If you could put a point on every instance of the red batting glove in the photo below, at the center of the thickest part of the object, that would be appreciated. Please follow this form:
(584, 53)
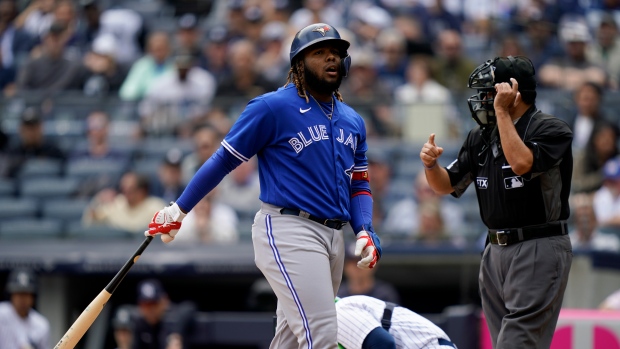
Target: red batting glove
(365, 247)
(166, 223)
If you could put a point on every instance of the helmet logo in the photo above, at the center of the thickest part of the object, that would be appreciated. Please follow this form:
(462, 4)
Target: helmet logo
(324, 29)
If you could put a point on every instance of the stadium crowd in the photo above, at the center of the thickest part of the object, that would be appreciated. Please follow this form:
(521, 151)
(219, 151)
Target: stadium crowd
(108, 107)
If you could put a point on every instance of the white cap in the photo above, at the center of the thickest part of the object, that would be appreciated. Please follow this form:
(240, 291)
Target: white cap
(105, 44)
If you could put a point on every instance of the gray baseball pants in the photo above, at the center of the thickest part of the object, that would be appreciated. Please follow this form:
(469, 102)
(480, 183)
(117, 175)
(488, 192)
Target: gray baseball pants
(522, 288)
(302, 260)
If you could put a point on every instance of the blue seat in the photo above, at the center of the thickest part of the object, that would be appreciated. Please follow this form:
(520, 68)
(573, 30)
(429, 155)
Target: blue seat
(35, 168)
(86, 168)
(31, 228)
(18, 208)
(42, 188)
(7, 188)
(76, 230)
(64, 209)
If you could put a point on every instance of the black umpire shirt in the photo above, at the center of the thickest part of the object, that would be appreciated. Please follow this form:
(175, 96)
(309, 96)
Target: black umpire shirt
(507, 200)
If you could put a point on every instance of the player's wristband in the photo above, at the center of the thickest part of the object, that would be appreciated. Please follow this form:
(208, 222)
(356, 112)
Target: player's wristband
(429, 168)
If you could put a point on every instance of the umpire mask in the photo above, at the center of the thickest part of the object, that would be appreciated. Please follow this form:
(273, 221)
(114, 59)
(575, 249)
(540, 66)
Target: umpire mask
(481, 104)
(491, 72)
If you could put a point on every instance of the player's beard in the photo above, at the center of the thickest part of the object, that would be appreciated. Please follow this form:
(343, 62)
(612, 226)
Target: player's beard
(315, 83)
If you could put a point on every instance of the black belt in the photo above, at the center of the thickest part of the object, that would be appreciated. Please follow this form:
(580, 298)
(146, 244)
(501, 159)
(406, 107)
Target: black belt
(504, 237)
(331, 223)
(386, 320)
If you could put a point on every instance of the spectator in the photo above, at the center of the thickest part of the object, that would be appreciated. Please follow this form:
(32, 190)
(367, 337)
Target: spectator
(240, 190)
(215, 54)
(421, 88)
(411, 28)
(16, 44)
(364, 85)
(585, 234)
(510, 45)
(244, 81)
(315, 11)
(271, 63)
(187, 36)
(52, 70)
(122, 325)
(367, 21)
(392, 59)
(152, 329)
(404, 218)
(210, 222)
(130, 210)
(607, 198)
(605, 50)
(359, 281)
(571, 70)
(540, 41)
(206, 141)
(438, 19)
(65, 13)
(104, 74)
(588, 163)
(380, 170)
(146, 69)
(32, 143)
(588, 100)
(452, 65)
(432, 230)
(126, 25)
(178, 98)
(37, 18)
(21, 326)
(98, 141)
(170, 181)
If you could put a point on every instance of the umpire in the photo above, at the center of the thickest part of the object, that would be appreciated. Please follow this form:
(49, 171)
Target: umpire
(521, 162)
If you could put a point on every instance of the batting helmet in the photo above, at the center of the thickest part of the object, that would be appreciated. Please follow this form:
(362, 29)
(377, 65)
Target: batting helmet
(22, 280)
(316, 33)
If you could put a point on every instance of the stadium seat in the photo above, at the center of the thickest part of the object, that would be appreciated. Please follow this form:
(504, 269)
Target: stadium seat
(7, 188)
(76, 230)
(18, 208)
(64, 209)
(42, 188)
(85, 168)
(156, 148)
(31, 228)
(36, 168)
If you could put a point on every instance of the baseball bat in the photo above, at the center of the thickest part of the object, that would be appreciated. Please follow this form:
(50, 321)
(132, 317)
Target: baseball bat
(88, 316)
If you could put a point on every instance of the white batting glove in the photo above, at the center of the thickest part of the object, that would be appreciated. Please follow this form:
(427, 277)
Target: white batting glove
(366, 248)
(166, 222)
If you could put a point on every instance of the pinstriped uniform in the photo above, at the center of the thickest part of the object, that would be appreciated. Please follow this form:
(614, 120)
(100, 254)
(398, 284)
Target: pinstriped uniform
(358, 315)
(18, 333)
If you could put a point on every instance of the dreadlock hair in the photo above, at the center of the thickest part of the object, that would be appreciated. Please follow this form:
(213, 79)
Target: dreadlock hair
(296, 76)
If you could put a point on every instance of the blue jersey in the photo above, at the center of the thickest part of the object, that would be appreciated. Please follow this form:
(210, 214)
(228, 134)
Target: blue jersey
(306, 161)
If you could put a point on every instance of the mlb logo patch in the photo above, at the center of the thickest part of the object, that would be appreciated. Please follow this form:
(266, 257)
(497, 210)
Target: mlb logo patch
(513, 182)
(482, 182)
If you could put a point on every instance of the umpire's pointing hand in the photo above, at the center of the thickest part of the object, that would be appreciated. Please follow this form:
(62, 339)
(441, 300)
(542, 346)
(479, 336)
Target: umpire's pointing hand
(430, 152)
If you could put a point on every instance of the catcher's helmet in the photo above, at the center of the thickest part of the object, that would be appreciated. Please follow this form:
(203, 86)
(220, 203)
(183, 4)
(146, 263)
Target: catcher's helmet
(316, 33)
(22, 280)
(493, 71)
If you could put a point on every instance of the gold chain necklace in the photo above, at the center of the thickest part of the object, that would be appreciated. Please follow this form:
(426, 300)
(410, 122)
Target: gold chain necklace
(329, 116)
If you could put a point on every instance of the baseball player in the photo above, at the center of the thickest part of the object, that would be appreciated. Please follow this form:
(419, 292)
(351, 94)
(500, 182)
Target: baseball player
(365, 322)
(22, 327)
(311, 150)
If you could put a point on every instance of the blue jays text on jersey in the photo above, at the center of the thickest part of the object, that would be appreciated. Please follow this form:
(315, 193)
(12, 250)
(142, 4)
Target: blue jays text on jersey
(306, 160)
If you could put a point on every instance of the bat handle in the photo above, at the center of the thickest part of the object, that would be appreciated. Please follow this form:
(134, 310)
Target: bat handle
(111, 287)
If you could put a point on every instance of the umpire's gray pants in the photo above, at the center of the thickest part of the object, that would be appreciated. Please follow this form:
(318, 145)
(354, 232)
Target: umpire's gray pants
(522, 287)
(303, 261)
